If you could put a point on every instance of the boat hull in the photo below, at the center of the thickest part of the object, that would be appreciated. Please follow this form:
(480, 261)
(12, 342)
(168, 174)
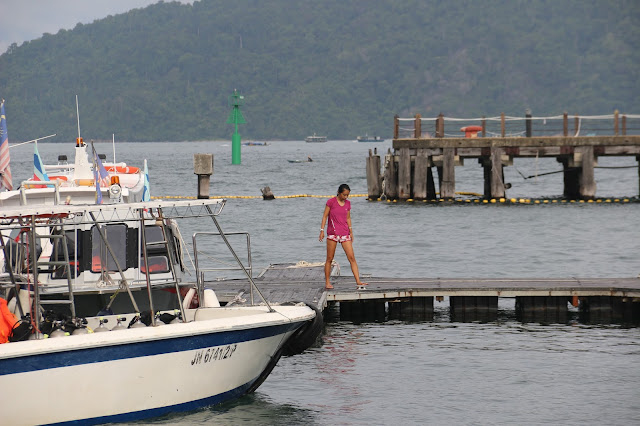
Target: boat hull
(145, 372)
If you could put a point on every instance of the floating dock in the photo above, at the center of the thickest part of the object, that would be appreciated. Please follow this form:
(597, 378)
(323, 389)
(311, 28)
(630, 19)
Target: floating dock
(545, 300)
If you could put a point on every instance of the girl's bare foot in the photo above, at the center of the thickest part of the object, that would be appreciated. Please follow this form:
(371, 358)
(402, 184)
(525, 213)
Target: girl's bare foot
(328, 286)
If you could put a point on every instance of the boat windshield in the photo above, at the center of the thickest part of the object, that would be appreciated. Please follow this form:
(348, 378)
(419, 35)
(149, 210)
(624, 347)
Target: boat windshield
(116, 235)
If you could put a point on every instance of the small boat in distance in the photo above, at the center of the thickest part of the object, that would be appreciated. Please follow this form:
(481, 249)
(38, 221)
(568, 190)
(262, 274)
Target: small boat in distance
(308, 160)
(255, 144)
(367, 138)
(315, 138)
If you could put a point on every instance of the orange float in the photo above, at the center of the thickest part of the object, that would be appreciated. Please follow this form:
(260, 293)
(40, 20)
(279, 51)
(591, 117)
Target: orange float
(124, 170)
(471, 131)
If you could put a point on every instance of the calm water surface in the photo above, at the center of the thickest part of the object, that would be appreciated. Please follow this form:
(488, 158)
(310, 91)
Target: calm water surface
(438, 372)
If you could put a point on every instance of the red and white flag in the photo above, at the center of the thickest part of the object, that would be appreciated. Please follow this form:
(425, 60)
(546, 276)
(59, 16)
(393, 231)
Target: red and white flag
(5, 169)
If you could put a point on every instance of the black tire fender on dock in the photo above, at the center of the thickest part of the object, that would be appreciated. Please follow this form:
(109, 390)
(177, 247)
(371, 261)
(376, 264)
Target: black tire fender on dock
(305, 336)
(297, 343)
(265, 373)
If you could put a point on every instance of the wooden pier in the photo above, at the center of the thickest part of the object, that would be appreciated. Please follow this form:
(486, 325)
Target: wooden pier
(407, 171)
(544, 300)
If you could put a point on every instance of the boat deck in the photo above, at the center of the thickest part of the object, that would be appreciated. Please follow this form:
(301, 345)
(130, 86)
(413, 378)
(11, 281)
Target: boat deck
(278, 283)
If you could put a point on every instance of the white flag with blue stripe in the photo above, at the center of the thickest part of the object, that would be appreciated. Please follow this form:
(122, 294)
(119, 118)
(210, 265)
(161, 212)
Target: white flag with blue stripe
(146, 195)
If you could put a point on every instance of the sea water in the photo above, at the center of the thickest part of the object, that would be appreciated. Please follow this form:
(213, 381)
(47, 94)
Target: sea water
(433, 372)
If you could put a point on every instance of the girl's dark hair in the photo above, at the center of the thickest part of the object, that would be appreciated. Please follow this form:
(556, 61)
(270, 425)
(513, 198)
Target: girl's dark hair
(342, 187)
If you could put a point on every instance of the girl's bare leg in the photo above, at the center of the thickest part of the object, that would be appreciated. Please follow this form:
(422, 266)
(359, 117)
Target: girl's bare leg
(347, 246)
(331, 251)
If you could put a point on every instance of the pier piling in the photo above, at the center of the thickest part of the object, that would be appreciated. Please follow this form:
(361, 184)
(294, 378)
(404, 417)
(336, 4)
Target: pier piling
(267, 194)
(448, 175)
(404, 174)
(374, 180)
(203, 167)
(497, 176)
(420, 168)
(587, 176)
(390, 177)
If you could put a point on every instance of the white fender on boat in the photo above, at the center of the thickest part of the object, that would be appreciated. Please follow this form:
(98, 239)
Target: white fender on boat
(210, 299)
(24, 302)
(186, 302)
(12, 305)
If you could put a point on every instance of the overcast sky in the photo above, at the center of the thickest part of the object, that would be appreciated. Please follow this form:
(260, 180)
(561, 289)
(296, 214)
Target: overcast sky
(22, 20)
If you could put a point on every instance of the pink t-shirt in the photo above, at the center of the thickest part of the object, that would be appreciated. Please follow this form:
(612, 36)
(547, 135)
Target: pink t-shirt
(338, 217)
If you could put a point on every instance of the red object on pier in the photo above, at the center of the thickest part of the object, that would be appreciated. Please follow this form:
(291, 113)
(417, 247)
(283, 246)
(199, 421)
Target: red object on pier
(471, 131)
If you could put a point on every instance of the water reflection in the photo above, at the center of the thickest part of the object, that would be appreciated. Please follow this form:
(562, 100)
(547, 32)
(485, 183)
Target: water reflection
(256, 408)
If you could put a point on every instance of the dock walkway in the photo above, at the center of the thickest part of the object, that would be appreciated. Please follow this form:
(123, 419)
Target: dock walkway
(600, 298)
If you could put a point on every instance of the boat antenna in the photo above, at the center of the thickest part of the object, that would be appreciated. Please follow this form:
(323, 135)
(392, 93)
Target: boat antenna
(113, 141)
(78, 115)
(32, 141)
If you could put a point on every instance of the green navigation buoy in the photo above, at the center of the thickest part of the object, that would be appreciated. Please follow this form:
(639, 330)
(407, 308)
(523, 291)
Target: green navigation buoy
(235, 118)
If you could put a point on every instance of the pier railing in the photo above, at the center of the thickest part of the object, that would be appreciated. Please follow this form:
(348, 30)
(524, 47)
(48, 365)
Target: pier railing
(419, 127)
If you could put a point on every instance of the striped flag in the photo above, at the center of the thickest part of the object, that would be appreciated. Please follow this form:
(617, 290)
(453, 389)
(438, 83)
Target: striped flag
(100, 176)
(146, 195)
(38, 168)
(5, 170)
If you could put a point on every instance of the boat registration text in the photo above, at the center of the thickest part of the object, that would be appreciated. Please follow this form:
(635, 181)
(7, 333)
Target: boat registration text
(218, 353)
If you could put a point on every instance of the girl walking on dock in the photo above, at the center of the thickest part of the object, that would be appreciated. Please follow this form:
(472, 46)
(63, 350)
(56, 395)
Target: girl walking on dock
(339, 230)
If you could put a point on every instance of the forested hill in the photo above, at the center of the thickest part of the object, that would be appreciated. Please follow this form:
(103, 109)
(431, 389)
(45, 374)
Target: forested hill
(334, 67)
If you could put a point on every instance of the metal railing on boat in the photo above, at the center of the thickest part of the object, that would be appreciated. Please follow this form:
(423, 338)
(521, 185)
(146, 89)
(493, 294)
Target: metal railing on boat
(47, 222)
(200, 271)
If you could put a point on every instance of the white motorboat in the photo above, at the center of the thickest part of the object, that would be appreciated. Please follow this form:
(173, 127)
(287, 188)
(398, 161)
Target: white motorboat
(151, 350)
(74, 183)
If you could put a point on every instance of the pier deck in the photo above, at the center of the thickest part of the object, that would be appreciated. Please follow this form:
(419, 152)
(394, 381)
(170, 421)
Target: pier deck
(618, 297)
(408, 175)
(500, 287)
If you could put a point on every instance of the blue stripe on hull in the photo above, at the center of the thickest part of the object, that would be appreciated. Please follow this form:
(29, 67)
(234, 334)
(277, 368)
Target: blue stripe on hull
(161, 411)
(137, 349)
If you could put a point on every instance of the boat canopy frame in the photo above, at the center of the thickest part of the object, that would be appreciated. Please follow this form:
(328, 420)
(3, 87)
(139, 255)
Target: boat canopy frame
(32, 218)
